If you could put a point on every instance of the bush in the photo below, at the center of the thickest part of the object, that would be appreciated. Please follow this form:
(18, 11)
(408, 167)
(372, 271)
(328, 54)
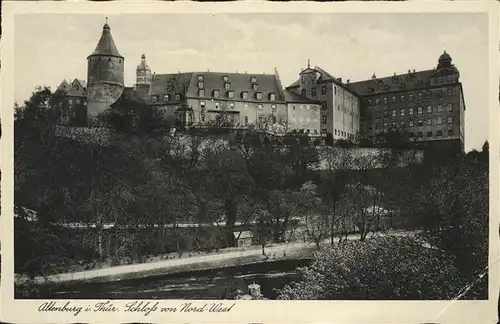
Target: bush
(383, 268)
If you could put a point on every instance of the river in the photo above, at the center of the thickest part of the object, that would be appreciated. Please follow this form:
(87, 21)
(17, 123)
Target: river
(207, 284)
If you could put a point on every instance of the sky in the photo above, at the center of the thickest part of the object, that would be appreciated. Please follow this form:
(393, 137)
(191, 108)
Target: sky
(53, 47)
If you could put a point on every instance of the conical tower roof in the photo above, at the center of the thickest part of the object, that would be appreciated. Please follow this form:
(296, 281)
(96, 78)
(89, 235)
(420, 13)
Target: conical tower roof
(106, 45)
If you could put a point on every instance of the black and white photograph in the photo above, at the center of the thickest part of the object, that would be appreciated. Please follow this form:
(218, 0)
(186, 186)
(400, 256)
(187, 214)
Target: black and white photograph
(234, 156)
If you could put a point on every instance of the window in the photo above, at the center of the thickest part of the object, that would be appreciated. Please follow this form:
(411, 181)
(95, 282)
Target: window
(177, 97)
(255, 86)
(216, 94)
(393, 125)
(259, 106)
(334, 90)
(411, 112)
(420, 134)
(429, 122)
(258, 95)
(440, 133)
(410, 97)
(217, 105)
(385, 100)
(429, 134)
(377, 101)
(377, 126)
(201, 93)
(450, 107)
(70, 101)
(166, 98)
(450, 132)
(244, 95)
(386, 112)
(440, 108)
(429, 109)
(272, 97)
(313, 92)
(200, 84)
(230, 94)
(153, 98)
(393, 98)
(323, 106)
(253, 79)
(323, 90)
(450, 120)
(428, 94)
(440, 121)
(245, 105)
(200, 77)
(402, 113)
(402, 98)
(450, 92)
(369, 102)
(303, 78)
(246, 120)
(231, 105)
(419, 110)
(225, 78)
(394, 113)
(411, 123)
(420, 123)
(323, 119)
(402, 124)
(304, 92)
(202, 104)
(419, 96)
(385, 124)
(227, 85)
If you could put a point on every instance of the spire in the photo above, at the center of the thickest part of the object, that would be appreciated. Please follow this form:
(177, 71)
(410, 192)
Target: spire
(308, 63)
(106, 46)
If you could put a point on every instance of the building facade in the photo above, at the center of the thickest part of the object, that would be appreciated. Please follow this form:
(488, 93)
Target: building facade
(340, 105)
(74, 102)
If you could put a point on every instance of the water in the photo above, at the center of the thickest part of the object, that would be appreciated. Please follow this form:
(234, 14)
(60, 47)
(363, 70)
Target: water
(207, 284)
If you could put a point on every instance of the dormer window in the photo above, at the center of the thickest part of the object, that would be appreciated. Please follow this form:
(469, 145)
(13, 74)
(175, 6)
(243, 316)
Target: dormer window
(255, 86)
(260, 107)
(201, 93)
(177, 97)
(166, 98)
(225, 78)
(154, 98)
(227, 85)
(200, 84)
(216, 94)
(313, 92)
(200, 77)
(304, 92)
(253, 79)
(231, 105)
(244, 95)
(230, 94)
(258, 95)
(272, 97)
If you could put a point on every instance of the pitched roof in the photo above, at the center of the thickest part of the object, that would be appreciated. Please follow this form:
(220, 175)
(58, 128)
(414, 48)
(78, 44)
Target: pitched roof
(291, 96)
(77, 88)
(411, 80)
(324, 77)
(106, 45)
(239, 82)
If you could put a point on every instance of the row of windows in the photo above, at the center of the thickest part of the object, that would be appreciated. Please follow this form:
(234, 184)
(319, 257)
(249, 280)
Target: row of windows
(420, 122)
(411, 111)
(307, 120)
(231, 105)
(305, 131)
(306, 107)
(77, 102)
(225, 78)
(323, 92)
(429, 134)
(411, 97)
(344, 134)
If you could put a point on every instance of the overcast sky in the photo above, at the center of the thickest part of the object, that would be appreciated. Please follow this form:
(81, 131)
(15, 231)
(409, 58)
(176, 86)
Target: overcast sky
(49, 48)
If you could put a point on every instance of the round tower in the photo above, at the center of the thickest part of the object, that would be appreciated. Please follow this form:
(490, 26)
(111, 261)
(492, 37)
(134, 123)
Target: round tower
(105, 81)
(143, 73)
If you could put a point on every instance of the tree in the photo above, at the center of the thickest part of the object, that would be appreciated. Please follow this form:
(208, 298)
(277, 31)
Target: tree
(311, 210)
(385, 268)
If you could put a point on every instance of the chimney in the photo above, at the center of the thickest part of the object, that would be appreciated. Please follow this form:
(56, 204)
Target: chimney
(394, 73)
(409, 71)
(413, 70)
(348, 81)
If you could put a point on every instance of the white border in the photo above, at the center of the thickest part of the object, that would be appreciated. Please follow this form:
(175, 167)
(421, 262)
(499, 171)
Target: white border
(253, 311)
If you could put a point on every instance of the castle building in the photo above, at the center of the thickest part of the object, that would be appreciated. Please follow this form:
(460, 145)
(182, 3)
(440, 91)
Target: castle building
(428, 104)
(74, 102)
(105, 76)
(340, 105)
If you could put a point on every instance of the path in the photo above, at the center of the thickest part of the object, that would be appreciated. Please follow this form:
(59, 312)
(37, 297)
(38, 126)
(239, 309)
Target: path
(278, 249)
